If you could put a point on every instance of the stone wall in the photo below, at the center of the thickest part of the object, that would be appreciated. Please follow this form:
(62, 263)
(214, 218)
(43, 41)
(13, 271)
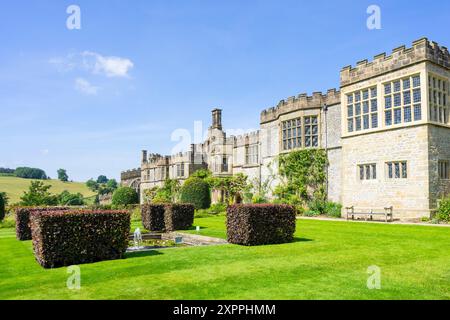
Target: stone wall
(439, 149)
(409, 197)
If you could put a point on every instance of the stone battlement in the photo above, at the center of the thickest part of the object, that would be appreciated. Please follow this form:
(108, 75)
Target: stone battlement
(247, 139)
(130, 174)
(421, 50)
(302, 101)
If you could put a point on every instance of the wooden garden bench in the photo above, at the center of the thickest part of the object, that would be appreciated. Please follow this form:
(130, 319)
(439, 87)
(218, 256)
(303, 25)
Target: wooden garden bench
(388, 213)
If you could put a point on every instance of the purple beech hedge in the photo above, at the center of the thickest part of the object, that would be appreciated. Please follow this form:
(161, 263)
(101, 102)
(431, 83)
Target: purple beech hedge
(78, 237)
(179, 216)
(23, 230)
(153, 217)
(167, 217)
(260, 224)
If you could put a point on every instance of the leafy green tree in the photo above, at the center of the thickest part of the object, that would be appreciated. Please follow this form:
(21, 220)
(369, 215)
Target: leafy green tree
(30, 173)
(92, 185)
(202, 174)
(38, 195)
(5, 198)
(197, 192)
(169, 192)
(62, 175)
(70, 199)
(112, 184)
(233, 187)
(2, 207)
(125, 196)
(102, 179)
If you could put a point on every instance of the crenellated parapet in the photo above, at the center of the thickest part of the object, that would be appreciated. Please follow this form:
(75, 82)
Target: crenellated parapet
(246, 139)
(421, 50)
(302, 101)
(130, 174)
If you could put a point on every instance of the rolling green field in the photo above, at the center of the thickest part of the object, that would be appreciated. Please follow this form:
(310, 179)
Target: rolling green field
(15, 187)
(328, 260)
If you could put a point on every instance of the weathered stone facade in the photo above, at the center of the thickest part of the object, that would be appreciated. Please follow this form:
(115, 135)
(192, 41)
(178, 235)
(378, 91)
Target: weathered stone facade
(386, 133)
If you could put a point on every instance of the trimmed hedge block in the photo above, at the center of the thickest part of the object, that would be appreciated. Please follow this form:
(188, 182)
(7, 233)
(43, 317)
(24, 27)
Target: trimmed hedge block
(23, 230)
(78, 237)
(153, 217)
(179, 216)
(260, 224)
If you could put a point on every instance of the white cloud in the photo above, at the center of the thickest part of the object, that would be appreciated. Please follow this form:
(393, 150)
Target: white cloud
(108, 66)
(94, 63)
(85, 87)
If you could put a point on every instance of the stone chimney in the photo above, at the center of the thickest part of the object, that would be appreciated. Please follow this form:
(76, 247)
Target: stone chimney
(144, 156)
(217, 119)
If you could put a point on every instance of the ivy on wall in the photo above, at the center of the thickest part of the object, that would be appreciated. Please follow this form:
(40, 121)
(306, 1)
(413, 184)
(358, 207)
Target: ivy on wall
(303, 174)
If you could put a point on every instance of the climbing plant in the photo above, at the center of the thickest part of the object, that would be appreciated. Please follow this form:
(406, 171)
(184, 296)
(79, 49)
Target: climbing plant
(303, 175)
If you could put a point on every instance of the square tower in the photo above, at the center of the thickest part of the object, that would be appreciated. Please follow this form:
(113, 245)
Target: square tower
(396, 130)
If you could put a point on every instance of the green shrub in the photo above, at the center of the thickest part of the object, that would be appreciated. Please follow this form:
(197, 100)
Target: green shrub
(443, 212)
(196, 191)
(70, 238)
(125, 196)
(217, 208)
(70, 199)
(2, 207)
(333, 210)
(320, 207)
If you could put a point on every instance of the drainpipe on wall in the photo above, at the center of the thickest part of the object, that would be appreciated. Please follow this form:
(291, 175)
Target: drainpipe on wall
(325, 110)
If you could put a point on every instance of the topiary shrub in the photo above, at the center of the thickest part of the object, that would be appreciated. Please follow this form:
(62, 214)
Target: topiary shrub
(197, 192)
(178, 216)
(153, 217)
(23, 229)
(2, 208)
(443, 213)
(260, 224)
(125, 196)
(77, 237)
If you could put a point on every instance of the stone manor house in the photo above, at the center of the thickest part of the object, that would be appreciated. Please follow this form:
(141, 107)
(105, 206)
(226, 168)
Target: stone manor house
(386, 132)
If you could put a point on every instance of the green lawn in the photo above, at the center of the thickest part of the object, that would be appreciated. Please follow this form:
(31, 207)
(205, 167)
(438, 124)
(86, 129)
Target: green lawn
(14, 187)
(328, 260)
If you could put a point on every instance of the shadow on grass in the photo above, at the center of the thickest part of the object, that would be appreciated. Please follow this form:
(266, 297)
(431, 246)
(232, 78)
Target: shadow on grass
(296, 239)
(141, 254)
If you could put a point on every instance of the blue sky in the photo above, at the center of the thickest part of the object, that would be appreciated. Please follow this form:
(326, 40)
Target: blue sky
(89, 100)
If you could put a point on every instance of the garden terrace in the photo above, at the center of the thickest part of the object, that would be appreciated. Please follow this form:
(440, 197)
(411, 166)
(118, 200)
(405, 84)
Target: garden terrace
(327, 260)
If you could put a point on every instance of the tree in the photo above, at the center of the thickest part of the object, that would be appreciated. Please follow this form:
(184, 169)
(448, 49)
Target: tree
(125, 196)
(70, 199)
(38, 195)
(112, 184)
(231, 187)
(169, 192)
(92, 185)
(197, 192)
(5, 198)
(202, 174)
(62, 175)
(2, 207)
(30, 173)
(102, 179)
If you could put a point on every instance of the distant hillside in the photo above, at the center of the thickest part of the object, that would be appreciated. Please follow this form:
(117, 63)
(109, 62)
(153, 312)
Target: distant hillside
(15, 187)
